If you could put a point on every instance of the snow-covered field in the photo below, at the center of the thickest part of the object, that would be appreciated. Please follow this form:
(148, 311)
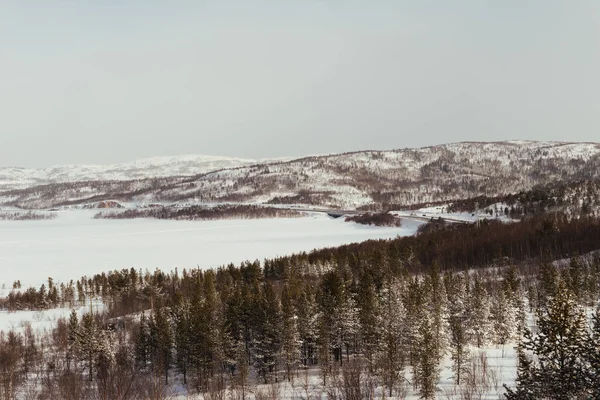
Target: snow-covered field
(74, 244)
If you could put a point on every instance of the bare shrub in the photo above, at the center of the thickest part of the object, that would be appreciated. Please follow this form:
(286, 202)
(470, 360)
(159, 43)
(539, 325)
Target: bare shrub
(479, 380)
(351, 382)
(271, 392)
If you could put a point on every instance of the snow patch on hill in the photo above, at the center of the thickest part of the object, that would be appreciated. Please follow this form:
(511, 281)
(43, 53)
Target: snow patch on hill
(154, 167)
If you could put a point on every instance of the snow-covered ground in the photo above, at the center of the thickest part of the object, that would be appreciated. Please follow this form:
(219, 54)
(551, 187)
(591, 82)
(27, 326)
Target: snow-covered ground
(74, 244)
(42, 320)
(155, 167)
(500, 368)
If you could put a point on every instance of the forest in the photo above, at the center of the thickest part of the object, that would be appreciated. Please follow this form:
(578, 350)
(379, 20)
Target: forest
(368, 320)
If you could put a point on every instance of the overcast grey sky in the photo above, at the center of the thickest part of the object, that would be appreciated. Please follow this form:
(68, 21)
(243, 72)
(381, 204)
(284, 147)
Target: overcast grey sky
(102, 81)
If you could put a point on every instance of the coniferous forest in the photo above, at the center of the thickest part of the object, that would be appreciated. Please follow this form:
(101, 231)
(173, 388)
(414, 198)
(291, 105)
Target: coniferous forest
(361, 321)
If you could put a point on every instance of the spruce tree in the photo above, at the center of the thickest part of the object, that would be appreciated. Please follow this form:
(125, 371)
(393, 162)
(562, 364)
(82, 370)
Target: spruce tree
(307, 324)
(161, 335)
(528, 388)
(73, 331)
(369, 319)
(457, 322)
(559, 368)
(392, 357)
(91, 344)
(427, 371)
(289, 333)
(504, 317)
(479, 319)
(142, 342)
(267, 340)
(591, 355)
(182, 336)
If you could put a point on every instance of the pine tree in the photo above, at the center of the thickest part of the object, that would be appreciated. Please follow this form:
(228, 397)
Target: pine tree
(91, 344)
(369, 319)
(142, 342)
(559, 370)
(393, 336)
(437, 305)
(592, 357)
(330, 300)
(306, 308)
(457, 320)
(415, 307)
(479, 320)
(504, 318)
(527, 386)
(267, 341)
(161, 339)
(427, 372)
(289, 333)
(182, 335)
(73, 329)
(30, 349)
(548, 282)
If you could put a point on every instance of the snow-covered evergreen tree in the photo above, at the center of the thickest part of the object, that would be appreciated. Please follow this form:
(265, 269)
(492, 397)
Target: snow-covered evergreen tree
(457, 326)
(289, 333)
(392, 353)
(426, 372)
(559, 368)
(92, 344)
(267, 340)
(504, 317)
(479, 319)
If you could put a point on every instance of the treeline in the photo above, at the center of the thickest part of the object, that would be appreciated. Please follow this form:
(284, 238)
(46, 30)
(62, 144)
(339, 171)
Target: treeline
(462, 246)
(25, 216)
(47, 296)
(201, 213)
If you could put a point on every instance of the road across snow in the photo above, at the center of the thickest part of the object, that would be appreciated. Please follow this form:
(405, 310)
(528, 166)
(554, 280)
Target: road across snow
(74, 244)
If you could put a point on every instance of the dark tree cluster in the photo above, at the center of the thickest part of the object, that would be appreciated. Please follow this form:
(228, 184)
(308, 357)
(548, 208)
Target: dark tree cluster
(576, 198)
(377, 219)
(26, 216)
(192, 213)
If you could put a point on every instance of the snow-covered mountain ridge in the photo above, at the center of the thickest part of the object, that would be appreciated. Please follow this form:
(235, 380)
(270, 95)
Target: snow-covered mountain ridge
(348, 180)
(155, 167)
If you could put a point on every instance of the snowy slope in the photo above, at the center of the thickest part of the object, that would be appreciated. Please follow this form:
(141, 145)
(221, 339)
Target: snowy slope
(406, 176)
(19, 178)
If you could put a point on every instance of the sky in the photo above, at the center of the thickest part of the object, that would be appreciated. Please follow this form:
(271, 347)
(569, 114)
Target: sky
(106, 81)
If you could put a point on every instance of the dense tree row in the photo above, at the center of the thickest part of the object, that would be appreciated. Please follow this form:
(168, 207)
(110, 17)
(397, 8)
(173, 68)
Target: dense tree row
(201, 212)
(25, 216)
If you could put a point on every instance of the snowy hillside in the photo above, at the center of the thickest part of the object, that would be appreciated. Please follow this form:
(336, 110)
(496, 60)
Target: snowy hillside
(349, 180)
(20, 178)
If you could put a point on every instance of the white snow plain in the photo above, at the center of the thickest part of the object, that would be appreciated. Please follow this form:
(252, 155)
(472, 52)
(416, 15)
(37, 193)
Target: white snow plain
(74, 244)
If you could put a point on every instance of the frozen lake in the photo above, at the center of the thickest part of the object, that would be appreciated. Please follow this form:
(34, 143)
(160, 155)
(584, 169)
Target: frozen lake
(74, 244)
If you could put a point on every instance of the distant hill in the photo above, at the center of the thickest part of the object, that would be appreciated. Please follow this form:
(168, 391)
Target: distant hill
(349, 180)
(156, 167)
